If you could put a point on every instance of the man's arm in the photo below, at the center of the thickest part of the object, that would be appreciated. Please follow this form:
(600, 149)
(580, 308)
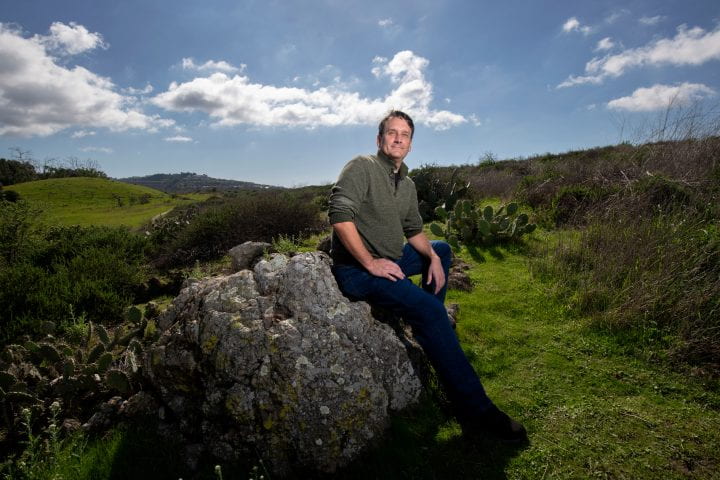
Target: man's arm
(379, 267)
(436, 272)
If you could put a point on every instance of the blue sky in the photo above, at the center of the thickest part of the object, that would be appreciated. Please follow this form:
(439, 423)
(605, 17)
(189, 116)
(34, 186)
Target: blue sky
(286, 92)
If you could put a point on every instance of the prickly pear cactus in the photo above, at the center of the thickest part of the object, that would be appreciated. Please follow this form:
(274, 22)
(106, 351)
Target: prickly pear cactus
(468, 225)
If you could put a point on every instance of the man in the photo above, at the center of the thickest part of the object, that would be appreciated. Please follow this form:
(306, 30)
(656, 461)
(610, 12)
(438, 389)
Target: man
(373, 207)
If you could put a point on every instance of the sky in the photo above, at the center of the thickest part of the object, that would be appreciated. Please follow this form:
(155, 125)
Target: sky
(286, 92)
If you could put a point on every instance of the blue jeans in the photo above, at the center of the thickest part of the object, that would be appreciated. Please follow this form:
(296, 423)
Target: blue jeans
(425, 312)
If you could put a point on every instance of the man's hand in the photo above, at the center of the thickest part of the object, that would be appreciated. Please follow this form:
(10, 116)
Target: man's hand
(382, 267)
(436, 272)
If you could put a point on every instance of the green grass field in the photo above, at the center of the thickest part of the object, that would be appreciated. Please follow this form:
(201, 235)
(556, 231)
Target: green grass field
(97, 201)
(592, 410)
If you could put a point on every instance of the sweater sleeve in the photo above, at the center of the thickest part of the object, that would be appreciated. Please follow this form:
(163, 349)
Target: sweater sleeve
(348, 192)
(412, 223)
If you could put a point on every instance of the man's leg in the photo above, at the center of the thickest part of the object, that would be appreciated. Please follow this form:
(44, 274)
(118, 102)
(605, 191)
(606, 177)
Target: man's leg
(428, 318)
(426, 314)
(412, 263)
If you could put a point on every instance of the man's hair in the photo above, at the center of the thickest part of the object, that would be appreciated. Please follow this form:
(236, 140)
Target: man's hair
(396, 114)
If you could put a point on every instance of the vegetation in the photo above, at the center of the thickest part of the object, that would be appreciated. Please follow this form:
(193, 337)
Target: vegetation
(599, 331)
(473, 227)
(436, 189)
(21, 170)
(97, 201)
(61, 273)
(208, 231)
(189, 182)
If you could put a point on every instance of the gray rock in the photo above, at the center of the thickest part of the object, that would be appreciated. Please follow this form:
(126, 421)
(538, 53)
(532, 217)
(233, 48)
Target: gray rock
(243, 255)
(276, 360)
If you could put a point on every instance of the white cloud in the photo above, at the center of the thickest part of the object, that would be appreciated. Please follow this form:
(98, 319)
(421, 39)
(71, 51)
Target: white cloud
(650, 21)
(83, 133)
(385, 22)
(573, 25)
(236, 100)
(615, 16)
(211, 66)
(178, 139)
(138, 91)
(96, 150)
(39, 97)
(660, 97)
(692, 46)
(70, 39)
(605, 44)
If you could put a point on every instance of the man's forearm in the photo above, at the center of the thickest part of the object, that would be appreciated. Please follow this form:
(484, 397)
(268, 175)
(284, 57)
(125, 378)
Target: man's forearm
(421, 243)
(350, 238)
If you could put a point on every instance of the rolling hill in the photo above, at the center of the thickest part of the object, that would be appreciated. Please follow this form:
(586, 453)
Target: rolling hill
(97, 201)
(188, 182)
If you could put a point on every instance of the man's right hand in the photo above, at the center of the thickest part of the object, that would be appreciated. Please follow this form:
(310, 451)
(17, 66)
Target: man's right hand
(382, 267)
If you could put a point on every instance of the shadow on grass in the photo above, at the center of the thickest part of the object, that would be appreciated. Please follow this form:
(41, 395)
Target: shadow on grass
(425, 443)
(475, 254)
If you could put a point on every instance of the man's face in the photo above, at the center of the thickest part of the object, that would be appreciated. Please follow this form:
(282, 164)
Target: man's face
(396, 140)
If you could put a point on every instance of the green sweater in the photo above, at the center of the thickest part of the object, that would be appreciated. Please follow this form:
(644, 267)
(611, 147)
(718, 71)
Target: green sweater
(383, 208)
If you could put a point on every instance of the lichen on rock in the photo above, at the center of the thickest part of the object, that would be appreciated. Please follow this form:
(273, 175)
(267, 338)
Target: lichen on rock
(276, 360)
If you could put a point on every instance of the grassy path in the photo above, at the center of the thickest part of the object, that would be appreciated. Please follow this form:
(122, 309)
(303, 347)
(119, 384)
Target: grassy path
(591, 411)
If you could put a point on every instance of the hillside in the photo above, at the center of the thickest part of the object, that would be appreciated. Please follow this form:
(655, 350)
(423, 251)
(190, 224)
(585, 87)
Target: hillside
(188, 182)
(97, 201)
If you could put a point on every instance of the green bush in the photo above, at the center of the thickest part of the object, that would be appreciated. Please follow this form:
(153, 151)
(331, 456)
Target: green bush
(437, 187)
(219, 227)
(652, 275)
(571, 204)
(15, 171)
(64, 272)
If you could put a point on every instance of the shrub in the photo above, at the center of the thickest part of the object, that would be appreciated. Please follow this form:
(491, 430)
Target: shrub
(571, 204)
(253, 216)
(437, 186)
(14, 171)
(650, 274)
(63, 272)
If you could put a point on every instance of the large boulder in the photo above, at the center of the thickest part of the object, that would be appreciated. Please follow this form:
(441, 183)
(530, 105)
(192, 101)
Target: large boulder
(276, 360)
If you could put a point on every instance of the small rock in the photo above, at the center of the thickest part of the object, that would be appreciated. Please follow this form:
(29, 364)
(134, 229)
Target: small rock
(245, 254)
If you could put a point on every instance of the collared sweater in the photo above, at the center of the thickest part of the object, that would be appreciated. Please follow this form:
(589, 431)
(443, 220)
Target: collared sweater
(382, 204)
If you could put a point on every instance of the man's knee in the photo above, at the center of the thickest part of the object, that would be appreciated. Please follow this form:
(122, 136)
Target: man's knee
(442, 249)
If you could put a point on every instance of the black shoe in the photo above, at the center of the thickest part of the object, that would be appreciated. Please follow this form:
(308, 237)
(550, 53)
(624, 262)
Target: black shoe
(496, 424)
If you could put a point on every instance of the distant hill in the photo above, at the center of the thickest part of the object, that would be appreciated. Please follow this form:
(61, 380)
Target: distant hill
(188, 182)
(97, 201)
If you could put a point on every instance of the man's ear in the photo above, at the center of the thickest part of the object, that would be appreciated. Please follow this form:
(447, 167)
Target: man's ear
(378, 141)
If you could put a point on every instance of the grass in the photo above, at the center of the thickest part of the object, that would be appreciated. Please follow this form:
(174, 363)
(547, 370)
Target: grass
(592, 410)
(97, 201)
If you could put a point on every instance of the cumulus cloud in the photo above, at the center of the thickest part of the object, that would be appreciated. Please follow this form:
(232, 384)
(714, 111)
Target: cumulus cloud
(605, 44)
(178, 139)
(573, 25)
(70, 39)
(693, 46)
(39, 97)
(660, 97)
(235, 100)
(211, 66)
(650, 21)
